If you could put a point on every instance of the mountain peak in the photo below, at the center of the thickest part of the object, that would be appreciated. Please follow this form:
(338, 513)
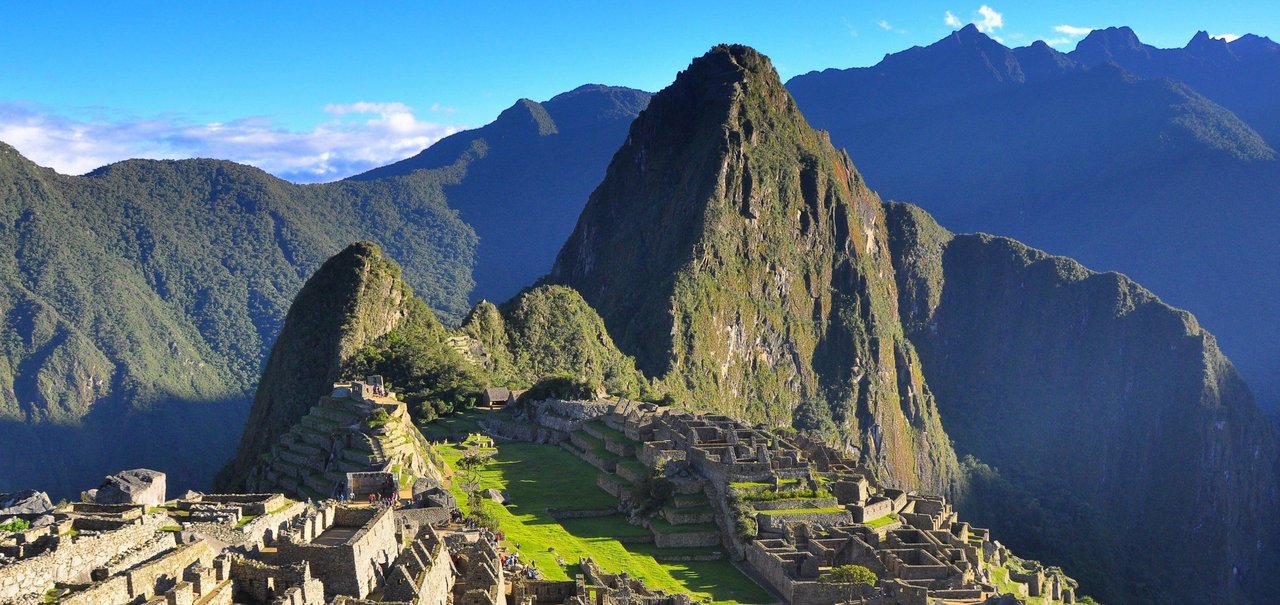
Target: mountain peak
(1110, 43)
(725, 213)
(969, 32)
(352, 299)
(527, 113)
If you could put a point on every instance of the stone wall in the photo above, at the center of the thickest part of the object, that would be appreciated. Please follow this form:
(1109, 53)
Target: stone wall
(250, 504)
(422, 574)
(775, 523)
(352, 567)
(183, 571)
(543, 591)
(873, 509)
(283, 585)
(134, 555)
(413, 518)
(74, 559)
(689, 539)
(263, 529)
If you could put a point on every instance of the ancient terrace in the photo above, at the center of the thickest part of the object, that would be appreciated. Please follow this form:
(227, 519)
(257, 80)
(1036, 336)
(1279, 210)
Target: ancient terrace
(359, 429)
(789, 508)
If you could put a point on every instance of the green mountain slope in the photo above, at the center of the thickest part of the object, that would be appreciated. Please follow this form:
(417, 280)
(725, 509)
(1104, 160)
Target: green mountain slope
(355, 298)
(741, 258)
(143, 296)
(549, 330)
(1116, 414)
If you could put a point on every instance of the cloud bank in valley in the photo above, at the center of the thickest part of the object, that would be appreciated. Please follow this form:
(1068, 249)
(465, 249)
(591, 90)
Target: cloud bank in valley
(353, 138)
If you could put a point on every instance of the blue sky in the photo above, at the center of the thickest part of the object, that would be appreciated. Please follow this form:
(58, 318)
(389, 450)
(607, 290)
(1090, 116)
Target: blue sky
(319, 90)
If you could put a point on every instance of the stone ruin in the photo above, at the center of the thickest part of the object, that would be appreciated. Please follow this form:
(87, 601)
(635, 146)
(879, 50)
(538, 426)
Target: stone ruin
(357, 434)
(813, 508)
(592, 587)
(219, 549)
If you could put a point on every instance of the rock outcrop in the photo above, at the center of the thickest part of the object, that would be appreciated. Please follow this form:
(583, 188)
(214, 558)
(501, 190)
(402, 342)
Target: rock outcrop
(137, 486)
(27, 502)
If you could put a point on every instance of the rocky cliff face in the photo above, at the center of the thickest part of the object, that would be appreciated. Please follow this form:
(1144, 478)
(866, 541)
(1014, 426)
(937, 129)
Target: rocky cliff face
(736, 254)
(1085, 384)
(353, 299)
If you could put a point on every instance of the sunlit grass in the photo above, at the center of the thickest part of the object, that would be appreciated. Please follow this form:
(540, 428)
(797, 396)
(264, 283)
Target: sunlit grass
(541, 477)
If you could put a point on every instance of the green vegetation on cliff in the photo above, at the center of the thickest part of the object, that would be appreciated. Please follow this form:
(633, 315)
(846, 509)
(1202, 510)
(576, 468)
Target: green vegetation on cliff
(743, 261)
(548, 331)
(418, 364)
(1105, 411)
(354, 299)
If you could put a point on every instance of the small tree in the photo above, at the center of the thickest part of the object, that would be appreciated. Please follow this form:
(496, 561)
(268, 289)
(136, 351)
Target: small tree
(474, 460)
(850, 577)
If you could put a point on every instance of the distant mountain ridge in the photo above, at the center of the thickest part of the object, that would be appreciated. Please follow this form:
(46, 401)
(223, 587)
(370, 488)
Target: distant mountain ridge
(141, 299)
(1078, 154)
(1242, 75)
(197, 261)
(1130, 449)
(528, 174)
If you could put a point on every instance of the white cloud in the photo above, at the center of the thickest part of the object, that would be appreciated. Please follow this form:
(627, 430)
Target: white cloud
(1228, 37)
(1058, 41)
(356, 137)
(886, 26)
(991, 20)
(853, 32)
(1072, 30)
(987, 20)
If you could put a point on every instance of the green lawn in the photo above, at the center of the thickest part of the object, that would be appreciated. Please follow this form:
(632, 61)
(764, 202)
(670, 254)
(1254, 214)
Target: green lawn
(783, 512)
(452, 426)
(883, 521)
(613, 433)
(539, 476)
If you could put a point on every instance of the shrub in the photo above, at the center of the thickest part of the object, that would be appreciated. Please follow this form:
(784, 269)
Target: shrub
(851, 577)
(16, 525)
(378, 418)
(744, 519)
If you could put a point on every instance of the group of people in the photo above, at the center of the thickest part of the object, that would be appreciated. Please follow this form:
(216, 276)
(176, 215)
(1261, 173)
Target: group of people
(512, 565)
(375, 499)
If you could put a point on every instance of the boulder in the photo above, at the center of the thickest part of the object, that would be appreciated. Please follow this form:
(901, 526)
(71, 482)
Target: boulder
(29, 502)
(137, 486)
(496, 495)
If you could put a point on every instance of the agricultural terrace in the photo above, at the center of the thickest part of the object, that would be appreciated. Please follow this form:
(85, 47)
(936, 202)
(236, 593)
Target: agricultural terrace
(540, 478)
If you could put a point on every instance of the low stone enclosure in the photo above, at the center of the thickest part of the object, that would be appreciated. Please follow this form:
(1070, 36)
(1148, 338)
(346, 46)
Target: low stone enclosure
(789, 508)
